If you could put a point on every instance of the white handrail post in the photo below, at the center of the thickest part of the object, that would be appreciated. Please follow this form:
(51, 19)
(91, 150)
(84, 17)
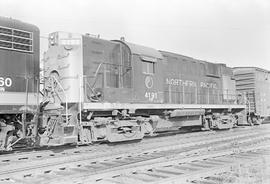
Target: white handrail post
(196, 95)
(248, 106)
(208, 96)
(80, 98)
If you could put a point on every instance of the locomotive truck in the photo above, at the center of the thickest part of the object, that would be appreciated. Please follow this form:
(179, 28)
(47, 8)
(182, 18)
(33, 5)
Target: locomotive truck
(100, 90)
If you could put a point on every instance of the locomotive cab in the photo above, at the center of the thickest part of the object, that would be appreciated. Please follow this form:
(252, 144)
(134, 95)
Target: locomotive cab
(147, 66)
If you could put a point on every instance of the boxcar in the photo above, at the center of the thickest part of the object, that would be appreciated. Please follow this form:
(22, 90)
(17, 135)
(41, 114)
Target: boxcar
(253, 85)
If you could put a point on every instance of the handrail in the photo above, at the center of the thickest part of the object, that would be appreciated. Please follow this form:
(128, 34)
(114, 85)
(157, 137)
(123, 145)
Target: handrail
(248, 102)
(95, 79)
(97, 70)
(80, 100)
(26, 104)
(64, 95)
(92, 90)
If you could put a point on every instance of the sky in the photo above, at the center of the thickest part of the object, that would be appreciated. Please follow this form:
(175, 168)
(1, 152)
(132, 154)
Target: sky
(234, 32)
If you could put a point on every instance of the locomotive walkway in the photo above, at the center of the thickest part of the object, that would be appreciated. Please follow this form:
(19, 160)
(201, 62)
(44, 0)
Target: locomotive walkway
(184, 157)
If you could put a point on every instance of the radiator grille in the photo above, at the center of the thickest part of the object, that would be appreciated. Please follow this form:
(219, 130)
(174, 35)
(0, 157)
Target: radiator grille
(14, 39)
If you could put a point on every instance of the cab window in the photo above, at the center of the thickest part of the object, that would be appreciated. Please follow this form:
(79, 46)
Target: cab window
(148, 67)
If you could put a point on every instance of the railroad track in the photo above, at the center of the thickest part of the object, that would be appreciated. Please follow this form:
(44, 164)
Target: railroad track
(248, 168)
(66, 151)
(100, 167)
(60, 152)
(211, 169)
(180, 168)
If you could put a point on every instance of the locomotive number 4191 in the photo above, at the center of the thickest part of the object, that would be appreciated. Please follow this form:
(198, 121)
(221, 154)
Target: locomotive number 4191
(5, 82)
(151, 96)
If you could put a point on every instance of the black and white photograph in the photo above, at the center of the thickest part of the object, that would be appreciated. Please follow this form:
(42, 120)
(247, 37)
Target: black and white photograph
(134, 92)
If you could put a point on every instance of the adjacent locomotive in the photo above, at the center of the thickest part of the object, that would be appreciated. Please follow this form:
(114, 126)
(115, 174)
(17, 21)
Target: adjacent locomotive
(119, 91)
(19, 80)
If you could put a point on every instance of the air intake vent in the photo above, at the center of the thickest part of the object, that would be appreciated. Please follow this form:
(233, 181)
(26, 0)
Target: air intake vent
(22, 34)
(5, 30)
(14, 39)
(5, 45)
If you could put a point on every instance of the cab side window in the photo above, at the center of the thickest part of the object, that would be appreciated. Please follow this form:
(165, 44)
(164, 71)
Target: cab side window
(148, 67)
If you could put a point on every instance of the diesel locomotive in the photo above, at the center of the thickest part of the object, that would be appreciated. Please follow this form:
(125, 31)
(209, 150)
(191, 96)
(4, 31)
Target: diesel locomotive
(118, 91)
(19, 81)
(99, 90)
